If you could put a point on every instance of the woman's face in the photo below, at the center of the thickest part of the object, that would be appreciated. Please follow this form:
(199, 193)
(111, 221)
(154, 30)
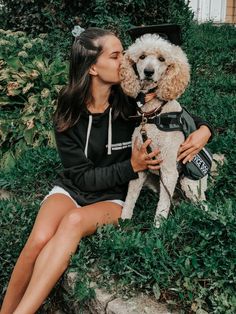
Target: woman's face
(108, 63)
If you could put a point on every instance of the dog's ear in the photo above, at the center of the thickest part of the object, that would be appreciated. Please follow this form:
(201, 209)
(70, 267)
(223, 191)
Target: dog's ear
(176, 77)
(129, 80)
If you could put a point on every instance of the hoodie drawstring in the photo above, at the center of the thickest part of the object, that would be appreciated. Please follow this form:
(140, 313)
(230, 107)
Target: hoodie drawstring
(88, 133)
(109, 133)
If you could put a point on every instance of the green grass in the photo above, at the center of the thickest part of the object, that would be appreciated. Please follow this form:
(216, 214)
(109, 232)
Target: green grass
(191, 259)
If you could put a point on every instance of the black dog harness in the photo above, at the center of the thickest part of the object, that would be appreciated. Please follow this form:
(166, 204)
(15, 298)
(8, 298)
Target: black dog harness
(168, 122)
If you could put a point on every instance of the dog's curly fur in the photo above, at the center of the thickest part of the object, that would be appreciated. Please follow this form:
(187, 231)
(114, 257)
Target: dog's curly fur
(163, 67)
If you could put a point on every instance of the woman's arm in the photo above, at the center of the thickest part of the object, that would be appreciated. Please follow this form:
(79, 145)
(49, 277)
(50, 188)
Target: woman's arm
(200, 122)
(196, 140)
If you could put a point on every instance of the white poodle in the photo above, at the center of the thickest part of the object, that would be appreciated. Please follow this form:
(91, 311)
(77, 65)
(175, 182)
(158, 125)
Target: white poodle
(152, 63)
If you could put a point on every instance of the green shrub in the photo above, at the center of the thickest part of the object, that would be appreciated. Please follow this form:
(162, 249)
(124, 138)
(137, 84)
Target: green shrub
(29, 87)
(41, 16)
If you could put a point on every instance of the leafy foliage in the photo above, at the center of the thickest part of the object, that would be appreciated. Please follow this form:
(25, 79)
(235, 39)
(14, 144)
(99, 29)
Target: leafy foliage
(46, 16)
(29, 87)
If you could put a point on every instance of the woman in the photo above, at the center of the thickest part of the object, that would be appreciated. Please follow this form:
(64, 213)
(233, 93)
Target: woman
(94, 142)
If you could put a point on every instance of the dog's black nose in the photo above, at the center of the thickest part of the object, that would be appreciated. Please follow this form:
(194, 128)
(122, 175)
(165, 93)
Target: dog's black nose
(148, 72)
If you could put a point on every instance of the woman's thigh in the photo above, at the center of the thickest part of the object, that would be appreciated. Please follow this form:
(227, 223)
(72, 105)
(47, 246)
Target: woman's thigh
(98, 214)
(50, 214)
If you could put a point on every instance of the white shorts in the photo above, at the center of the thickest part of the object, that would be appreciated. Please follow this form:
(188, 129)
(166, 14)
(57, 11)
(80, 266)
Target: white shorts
(58, 189)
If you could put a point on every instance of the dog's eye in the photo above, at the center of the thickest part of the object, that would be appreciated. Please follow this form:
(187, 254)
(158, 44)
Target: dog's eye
(161, 59)
(142, 57)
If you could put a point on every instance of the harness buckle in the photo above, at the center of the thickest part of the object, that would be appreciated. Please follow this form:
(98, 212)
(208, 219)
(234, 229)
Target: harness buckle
(144, 120)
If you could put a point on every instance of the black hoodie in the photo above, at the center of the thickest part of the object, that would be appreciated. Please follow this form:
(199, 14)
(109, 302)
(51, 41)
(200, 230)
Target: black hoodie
(97, 171)
(95, 155)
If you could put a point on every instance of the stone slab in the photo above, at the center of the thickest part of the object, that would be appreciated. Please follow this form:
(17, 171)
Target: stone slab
(108, 303)
(136, 305)
(99, 304)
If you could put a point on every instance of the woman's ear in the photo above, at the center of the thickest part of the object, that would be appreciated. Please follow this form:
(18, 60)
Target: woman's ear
(92, 70)
(129, 80)
(175, 79)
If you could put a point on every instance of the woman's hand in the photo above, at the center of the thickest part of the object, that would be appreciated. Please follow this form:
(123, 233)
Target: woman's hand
(193, 144)
(141, 160)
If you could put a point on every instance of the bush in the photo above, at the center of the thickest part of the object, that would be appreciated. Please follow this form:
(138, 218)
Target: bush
(29, 87)
(45, 16)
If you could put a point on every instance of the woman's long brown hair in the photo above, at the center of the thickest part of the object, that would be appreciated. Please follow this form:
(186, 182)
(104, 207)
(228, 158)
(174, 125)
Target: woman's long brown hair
(72, 98)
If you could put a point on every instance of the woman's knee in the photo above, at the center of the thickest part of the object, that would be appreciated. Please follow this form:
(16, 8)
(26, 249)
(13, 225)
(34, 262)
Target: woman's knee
(73, 222)
(35, 244)
(73, 219)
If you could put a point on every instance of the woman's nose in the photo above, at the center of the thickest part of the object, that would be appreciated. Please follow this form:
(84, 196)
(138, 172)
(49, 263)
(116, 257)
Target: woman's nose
(120, 59)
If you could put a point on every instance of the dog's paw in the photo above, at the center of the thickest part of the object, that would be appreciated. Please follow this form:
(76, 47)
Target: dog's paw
(159, 218)
(157, 223)
(126, 216)
(204, 206)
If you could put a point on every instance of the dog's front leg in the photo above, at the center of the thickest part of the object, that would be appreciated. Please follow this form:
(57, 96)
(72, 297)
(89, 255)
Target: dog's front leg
(134, 189)
(168, 180)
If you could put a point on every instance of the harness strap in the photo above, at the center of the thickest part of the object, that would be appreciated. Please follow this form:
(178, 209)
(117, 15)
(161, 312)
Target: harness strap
(168, 122)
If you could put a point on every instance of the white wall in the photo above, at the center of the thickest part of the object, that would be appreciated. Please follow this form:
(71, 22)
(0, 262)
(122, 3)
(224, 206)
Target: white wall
(205, 10)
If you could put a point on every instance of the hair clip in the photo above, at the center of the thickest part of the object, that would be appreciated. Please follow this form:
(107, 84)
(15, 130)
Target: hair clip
(77, 30)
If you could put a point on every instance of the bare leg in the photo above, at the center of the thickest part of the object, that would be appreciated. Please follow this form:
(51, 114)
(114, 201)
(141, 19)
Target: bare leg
(54, 258)
(50, 214)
